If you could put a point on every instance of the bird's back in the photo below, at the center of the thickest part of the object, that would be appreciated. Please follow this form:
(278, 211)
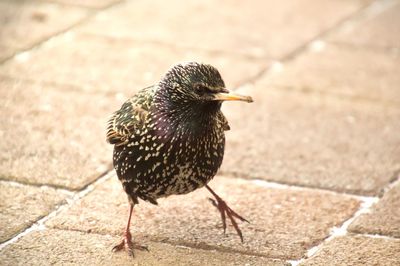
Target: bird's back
(131, 118)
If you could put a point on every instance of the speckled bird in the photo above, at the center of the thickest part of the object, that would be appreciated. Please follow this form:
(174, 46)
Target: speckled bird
(169, 139)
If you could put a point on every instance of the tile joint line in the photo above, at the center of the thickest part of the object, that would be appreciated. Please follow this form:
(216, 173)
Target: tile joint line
(365, 206)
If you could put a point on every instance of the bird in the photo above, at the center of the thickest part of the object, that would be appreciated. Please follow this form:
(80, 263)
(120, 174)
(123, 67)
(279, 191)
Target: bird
(169, 139)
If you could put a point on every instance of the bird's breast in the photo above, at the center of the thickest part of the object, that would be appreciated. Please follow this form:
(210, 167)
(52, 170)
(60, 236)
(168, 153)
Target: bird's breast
(158, 167)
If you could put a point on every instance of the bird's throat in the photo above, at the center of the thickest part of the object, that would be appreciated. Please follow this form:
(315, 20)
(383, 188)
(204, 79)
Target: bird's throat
(187, 119)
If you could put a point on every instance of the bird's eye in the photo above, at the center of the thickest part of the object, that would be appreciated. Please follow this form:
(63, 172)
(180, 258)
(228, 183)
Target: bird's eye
(201, 89)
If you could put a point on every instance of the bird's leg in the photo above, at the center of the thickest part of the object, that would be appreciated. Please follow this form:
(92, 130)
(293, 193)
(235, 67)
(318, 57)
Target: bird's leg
(126, 242)
(224, 210)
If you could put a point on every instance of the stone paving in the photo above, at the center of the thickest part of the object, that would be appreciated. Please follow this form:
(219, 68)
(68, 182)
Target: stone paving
(313, 163)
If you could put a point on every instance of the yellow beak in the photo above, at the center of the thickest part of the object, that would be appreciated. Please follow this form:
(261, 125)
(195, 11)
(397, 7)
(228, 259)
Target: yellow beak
(232, 97)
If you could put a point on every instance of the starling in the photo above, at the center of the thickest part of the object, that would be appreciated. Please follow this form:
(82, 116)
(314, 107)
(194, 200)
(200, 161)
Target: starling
(169, 139)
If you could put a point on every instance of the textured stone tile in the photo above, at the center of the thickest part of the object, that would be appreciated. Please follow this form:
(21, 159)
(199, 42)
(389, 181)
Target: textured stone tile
(360, 73)
(69, 247)
(384, 218)
(314, 140)
(25, 23)
(88, 3)
(99, 63)
(21, 206)
(379, 29)
(53, 135)
(259, 28)
(284, 222)
(357, 250)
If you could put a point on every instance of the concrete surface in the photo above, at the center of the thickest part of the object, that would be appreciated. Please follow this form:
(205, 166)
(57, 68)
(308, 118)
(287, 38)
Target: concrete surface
(313, 139)
(119, 63)
(54, 137)
(256, 29)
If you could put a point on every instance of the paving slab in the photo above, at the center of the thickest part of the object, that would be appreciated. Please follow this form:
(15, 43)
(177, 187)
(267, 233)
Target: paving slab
(378, 29)
(256, 29)
(21, 206)
(360, 73)
(95, 63)
(383, 219)
(284, 222)
(357, 250)
(44, 20)
(50, 247)
(312, 139)
(53, 135)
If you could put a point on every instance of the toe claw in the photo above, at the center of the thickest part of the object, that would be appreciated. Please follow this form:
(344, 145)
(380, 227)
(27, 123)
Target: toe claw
(213, 202)
(118, 247)
(140, 247)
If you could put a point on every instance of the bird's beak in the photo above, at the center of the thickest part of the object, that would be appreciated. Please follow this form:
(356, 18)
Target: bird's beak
(231, 97)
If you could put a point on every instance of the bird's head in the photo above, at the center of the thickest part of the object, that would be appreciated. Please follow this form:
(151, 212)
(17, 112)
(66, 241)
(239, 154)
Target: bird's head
(193, 92)
(196, 84)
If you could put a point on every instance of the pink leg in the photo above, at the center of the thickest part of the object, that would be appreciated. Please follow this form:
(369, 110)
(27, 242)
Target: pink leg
(224, 210)
(126, 242)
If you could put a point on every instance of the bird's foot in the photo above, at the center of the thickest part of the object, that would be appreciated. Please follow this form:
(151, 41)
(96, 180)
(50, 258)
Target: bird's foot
(225, 210)
(128, 245)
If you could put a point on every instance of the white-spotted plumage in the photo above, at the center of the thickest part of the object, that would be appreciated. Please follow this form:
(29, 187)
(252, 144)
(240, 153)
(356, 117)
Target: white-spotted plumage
(168, 139)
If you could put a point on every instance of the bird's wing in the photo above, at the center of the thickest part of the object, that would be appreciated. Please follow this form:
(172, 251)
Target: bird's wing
(224, 122)
(131, 117)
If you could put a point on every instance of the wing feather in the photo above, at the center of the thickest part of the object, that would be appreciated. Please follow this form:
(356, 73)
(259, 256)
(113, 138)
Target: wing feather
(131, 117)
